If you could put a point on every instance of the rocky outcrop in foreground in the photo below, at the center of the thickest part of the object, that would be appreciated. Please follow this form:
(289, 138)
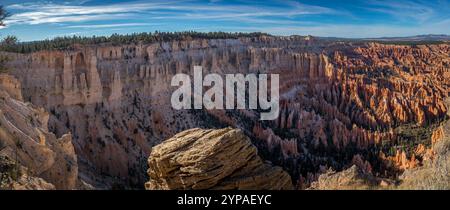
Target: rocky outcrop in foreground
(16, 177)
(212, 159)
(350, 179)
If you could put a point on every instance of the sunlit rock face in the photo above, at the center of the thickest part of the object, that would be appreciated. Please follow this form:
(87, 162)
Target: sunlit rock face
(200, 159)
(338, 100)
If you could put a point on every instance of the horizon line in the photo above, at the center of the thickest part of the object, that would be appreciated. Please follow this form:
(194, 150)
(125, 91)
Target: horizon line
(235, 32)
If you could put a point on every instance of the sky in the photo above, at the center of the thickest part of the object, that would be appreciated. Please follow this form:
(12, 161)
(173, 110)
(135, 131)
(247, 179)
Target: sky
(45, 19)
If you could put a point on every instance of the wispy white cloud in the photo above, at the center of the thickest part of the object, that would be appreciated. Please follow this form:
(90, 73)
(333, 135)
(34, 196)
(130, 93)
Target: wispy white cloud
(420, 11)
(41, 19)
(39, 13)
(95, 26)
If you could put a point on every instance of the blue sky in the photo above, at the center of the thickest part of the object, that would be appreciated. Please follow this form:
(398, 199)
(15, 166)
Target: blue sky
(41, 19)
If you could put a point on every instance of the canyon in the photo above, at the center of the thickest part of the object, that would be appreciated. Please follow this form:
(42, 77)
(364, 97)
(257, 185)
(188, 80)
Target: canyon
(102, 110)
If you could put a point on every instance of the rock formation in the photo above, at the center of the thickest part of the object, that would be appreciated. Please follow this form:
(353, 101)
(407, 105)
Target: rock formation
(15, 177)
(26, 141)
(212, 159)
(353, 178)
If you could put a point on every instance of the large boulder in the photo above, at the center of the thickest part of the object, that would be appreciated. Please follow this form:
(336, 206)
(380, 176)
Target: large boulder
(212, 159)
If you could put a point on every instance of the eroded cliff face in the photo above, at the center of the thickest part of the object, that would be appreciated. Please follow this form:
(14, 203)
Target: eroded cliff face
(339, 101)
(31, 157)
